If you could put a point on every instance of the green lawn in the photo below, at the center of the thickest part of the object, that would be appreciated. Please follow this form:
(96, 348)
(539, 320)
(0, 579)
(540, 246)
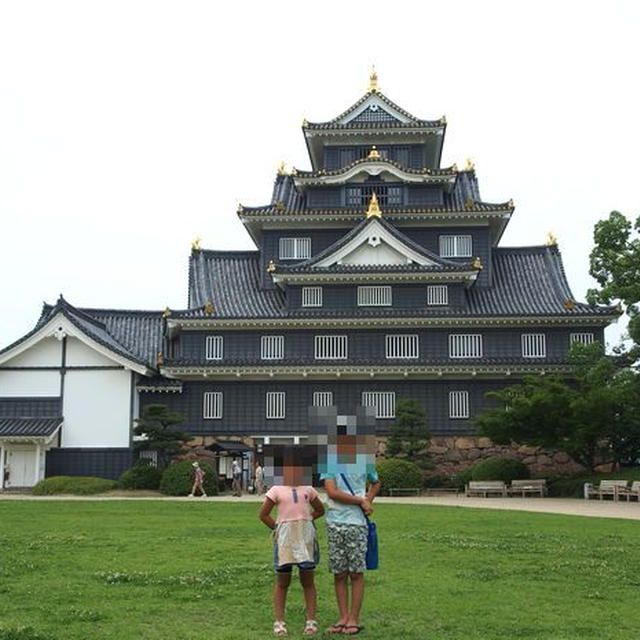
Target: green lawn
(191, 570)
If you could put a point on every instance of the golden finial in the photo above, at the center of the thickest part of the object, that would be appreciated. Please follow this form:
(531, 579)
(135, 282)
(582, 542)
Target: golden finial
(373, 79)
(569, 304)
(166, 313)
(454, 167)
(477, 264)
(468, 205)
(279, 205)
(374, 210)
(160, 359)
(551, 241)
(443, 120)
(195, 245)
(510, 203)
(470, 165)
(209, 309)
(271, 267)
(374, 154)
(240, 208)
(293, 172)
(282, 169)
(304, 122)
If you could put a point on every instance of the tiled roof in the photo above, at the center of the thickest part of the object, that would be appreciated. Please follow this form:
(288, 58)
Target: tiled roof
(135, 335)
(24, 427)
(231, 281)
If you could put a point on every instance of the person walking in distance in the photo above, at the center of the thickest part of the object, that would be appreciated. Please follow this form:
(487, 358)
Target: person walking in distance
(198, 477)
(236, 472)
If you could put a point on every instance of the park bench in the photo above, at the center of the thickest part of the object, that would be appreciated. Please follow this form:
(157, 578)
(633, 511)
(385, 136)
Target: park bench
(631, 492)
(612, 488)
(528, 487)
(486, 488)
(404, 491)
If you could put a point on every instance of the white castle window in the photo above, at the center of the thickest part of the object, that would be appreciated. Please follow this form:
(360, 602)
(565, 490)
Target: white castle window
(458, 404)
(295, 248)
(330, 347)
(583, 337)
(311, 296)
(214, 347)
(534, 345)
(212, 405)
(402, 346)
(383, 401)
(465, 345)
(374, 296)
(323, 398)
(437, 294)
(276, 401)
(456, 246)
(272, 347)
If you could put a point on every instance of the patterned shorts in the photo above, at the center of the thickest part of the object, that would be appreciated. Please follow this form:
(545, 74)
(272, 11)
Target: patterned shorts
(347, 548)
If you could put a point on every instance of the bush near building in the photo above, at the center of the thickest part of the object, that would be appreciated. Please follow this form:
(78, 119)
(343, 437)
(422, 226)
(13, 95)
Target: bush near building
(78, 485)
(141, 476)
(177, 478)
(398, 474)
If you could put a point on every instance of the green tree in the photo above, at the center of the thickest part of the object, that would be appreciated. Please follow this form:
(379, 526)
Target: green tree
(409, 434)
(156, 426)
(615, 264)
(595, 418)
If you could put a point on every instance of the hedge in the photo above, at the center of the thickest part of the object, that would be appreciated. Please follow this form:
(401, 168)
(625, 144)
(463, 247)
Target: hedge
(177, 478)
(505, 469)
(398, 474)
(141, 476)
(79, 485)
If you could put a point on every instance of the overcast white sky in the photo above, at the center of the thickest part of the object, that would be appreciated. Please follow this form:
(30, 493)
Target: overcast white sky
(128, 128)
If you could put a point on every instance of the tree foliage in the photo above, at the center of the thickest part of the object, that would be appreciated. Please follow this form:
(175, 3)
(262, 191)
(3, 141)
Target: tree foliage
(594, 419)
(615, 264)
(410, 432)
(157, 427)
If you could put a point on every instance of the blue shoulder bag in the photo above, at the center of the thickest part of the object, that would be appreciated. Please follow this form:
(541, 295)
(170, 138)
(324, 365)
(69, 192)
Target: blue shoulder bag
(372, 535)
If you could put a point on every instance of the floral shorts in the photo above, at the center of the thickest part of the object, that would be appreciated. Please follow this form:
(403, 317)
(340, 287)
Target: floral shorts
(347, 548)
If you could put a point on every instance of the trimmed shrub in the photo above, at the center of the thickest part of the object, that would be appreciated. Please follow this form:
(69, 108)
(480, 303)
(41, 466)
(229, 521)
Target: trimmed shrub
(462, 478)
(398, 474)
(78, 485)
(141, 476)
(505, 469)
(177, 478)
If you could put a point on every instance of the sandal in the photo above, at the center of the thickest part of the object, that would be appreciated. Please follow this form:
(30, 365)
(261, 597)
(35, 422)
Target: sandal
(336, 628)
(357, 628)
(310, 628)
(279, 628)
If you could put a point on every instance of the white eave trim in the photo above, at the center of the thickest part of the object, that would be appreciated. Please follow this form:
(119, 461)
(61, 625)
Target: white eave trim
(466, 277)
(373, 99)
(41, 440)
(60, 326)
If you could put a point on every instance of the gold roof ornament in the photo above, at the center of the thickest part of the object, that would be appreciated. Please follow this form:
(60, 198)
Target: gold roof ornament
(373, 79)
(569, 304)
(239, 208)
(304, 122)
(468, 205)
(510, 203)
(279, 205)
(551, 241)
(477, 264)
(166, 313)
(195, 245)
(374, 209)
(271, 267)
(282, 169)
(374, 154)
(209, 309)
(160, 359)
(471, 165)
(454, 167)
(443, 120)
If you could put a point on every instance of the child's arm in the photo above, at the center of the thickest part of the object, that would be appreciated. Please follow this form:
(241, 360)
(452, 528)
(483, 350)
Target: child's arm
(374, 488)
(265, 513)
(347, 498)
(318, 508)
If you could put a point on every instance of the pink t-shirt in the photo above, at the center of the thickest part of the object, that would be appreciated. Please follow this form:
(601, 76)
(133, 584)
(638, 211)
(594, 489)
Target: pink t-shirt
(292, 502)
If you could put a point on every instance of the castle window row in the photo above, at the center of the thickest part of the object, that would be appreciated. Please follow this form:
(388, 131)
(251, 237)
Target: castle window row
(377, 296)
(400, 346)
(384, 403)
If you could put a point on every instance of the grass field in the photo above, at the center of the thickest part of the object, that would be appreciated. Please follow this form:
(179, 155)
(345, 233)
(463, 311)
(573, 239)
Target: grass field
(183, 570)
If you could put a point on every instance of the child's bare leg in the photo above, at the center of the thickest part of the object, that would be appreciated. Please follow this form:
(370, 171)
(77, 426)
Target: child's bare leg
(342, 596)
(357, 595)
(309, 590)
(283, 580)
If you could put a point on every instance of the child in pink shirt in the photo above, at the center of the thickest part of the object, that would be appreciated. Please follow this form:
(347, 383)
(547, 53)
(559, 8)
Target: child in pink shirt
(294, 540)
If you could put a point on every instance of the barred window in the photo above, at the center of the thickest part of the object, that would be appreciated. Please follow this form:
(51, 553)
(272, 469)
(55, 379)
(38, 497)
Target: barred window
(323, 398)
(383, 401)
(214, 347)
(374, 296)
(465, 345)
(276, 401)
(437, 294)
(212, 405)
(458, 404)
(402, 346)
(150, 455)
(272, 347)
(534, 345)
(583, 337)
(311, 296)
(456, 246)
(331, 347)
(295, 248)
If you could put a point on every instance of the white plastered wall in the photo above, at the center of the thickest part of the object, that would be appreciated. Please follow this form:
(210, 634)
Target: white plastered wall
(381, 254)
(46, 353)
(25, 384)
(80, 355)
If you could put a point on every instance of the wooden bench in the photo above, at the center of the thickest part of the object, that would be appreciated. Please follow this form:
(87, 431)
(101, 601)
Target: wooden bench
(632, 492)
(528, 487)
(611, 488)
(401, 491)
(486, 488)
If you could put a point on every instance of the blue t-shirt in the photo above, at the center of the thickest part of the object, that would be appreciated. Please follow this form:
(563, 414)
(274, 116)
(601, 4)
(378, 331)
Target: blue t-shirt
(340, 512)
